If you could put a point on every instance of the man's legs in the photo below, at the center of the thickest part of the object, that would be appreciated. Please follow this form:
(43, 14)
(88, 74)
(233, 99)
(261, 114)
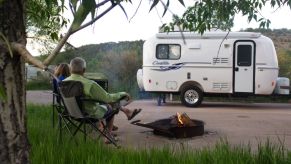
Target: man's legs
(120, 105)
(109, 117)
(109, 124)
(130, 113)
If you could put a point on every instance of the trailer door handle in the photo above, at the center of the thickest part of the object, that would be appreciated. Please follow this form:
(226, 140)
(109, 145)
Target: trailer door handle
(236, 69)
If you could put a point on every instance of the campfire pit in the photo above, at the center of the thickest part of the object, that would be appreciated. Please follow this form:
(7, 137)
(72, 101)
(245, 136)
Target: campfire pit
(171, 128)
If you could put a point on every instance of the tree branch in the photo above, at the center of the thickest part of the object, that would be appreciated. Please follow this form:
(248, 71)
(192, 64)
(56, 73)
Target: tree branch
(102, 3)
(61, 43)
(95, 19)
(21, 49)
(63, 40)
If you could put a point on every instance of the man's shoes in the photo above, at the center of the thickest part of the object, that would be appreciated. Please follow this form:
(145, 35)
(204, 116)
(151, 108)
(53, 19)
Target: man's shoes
(134, 113)
(115, 139)
(115, 128)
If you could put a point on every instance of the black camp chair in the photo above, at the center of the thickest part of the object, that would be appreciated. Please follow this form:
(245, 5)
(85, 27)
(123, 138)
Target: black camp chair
(64, 120)
(73, 99)
(56, 98)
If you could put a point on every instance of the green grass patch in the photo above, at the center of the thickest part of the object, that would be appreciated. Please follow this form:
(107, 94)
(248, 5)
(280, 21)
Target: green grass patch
(39, 85)
(45, 149)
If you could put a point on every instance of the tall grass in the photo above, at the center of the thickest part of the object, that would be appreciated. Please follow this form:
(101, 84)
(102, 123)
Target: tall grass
(45, 149)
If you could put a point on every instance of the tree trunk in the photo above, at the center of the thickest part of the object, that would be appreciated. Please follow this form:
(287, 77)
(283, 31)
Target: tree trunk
(14, 146)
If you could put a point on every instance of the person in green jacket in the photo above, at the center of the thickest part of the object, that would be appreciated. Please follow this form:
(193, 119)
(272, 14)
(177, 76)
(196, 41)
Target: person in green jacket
(93, 90)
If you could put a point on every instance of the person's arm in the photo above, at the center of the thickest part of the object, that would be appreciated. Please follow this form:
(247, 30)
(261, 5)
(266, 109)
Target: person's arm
(97, 92)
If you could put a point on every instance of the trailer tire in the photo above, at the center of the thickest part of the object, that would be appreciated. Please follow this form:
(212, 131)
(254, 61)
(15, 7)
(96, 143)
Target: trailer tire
(191, 96)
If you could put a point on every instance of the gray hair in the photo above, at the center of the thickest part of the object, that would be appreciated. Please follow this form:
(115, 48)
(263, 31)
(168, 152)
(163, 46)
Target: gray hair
(77, 65)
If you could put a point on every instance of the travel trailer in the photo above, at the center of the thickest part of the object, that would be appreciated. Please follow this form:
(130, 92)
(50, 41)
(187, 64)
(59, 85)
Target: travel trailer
(215, 63)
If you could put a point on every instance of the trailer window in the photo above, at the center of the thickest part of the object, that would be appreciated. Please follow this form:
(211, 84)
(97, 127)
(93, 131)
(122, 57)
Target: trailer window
(168, 51)
(244, 55)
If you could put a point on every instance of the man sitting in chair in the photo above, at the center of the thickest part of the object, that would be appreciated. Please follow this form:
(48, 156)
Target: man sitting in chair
(93, 90)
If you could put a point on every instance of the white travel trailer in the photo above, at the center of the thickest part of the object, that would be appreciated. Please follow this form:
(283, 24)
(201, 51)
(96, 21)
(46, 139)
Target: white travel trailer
(215, 63)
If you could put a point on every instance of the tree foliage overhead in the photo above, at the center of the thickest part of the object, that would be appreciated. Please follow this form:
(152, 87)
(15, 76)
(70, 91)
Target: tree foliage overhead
(44, 18)
(207, 14)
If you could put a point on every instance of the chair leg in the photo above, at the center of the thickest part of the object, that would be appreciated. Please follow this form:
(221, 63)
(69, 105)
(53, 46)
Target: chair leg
(105, 133)
(78, 128)
(54, 108)
(53, 117)
(60, 128)
(85, 134)
(66, 121)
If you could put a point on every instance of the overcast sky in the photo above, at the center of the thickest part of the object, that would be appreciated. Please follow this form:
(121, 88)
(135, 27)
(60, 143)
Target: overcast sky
(115, 27)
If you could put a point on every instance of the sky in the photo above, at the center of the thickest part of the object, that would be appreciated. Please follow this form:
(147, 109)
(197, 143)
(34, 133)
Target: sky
(115, 27)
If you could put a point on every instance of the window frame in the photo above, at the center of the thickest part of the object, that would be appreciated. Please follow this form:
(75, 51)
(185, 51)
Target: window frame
(168, 51)
(249, 59)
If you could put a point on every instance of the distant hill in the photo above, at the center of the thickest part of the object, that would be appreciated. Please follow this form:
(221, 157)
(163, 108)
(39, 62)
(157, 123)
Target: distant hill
(282, 41)
(118, 61)
(94, 53)
(280, 37)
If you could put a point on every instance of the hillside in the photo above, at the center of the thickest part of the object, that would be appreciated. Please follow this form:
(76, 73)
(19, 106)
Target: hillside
(280, 37)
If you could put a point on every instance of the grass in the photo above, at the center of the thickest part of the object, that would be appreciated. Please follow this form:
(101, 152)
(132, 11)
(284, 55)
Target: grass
(45, 149)
(39, 85)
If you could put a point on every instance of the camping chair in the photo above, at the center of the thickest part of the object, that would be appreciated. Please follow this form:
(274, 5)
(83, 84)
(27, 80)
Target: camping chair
(64, 121)
(73, 99)
(56, 98)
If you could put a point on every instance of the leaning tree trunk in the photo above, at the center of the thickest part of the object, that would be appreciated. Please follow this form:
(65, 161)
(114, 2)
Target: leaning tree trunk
(14, 146)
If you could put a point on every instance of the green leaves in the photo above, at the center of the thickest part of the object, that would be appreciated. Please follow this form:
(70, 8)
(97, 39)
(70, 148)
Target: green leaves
(166, 6)
(54, 36)
(204, 15)
(83, 10)
(154, 4)
(122, 8)
(208, 14)
(73, 5)
(182, 2)
(45, 18)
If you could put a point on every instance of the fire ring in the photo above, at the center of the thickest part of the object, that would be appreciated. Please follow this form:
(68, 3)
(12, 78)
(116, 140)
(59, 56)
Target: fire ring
(164, 127)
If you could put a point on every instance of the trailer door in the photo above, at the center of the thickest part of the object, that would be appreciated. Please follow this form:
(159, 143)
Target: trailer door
(244, 72)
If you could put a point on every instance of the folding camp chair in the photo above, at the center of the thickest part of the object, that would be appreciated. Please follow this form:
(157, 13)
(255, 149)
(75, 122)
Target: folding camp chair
(64, 120)
(56, 98)
(74, 100)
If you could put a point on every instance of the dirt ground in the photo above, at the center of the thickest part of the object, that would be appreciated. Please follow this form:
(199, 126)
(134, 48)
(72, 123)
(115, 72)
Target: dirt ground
(239, 123)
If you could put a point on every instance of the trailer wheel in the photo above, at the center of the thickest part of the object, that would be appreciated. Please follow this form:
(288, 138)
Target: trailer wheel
(191, 96)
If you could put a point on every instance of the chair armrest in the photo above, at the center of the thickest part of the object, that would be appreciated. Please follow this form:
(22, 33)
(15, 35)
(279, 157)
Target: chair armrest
(55, 94)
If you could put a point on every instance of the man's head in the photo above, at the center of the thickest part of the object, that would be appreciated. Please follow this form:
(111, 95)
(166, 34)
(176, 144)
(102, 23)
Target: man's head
(78, 66)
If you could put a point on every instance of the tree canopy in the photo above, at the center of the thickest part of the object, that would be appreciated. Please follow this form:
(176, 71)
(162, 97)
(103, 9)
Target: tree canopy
(207, 14)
